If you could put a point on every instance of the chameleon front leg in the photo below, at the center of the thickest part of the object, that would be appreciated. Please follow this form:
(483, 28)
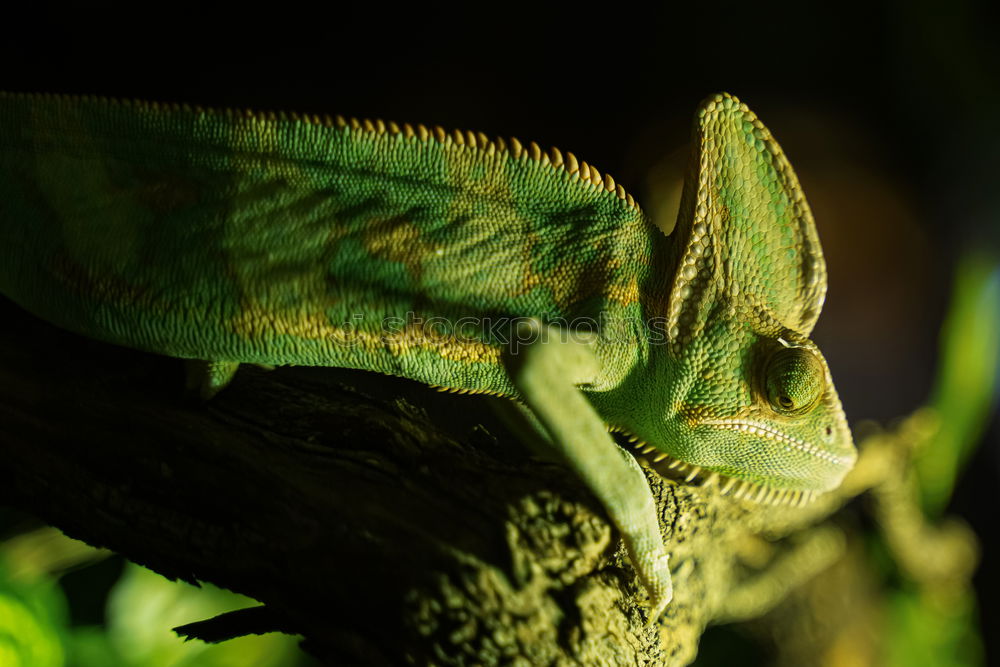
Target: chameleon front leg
(546, 364)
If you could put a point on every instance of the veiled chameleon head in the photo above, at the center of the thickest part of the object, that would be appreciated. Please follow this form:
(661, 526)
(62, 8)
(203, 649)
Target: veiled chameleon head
(747, 399)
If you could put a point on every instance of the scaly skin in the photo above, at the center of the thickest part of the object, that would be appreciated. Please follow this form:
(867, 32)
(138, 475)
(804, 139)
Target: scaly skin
(283, 239)
(240, 237)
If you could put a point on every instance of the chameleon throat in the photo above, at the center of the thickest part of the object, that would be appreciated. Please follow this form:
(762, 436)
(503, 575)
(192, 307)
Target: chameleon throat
(756, 428)
(677, 470)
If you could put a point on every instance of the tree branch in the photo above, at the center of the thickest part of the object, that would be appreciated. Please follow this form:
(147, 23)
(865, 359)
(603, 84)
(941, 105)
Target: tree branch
(377, 535)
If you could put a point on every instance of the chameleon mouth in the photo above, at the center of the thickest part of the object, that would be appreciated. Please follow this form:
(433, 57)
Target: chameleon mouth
(689, 473)
(788, 442)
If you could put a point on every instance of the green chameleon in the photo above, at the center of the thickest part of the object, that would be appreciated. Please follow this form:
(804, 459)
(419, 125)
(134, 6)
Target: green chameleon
(472, 264)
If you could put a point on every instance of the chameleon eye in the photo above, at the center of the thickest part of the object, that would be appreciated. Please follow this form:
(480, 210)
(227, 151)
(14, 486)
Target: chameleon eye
(794, 380)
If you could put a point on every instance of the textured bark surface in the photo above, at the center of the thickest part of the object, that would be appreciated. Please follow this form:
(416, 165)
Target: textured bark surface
(379, 533)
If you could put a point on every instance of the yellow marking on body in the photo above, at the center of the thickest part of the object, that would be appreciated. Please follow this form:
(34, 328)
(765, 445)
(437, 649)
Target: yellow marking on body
(398, 240)
(625, 294)
(571, 283)
(415, 336)
(256, 321)
(261, 323)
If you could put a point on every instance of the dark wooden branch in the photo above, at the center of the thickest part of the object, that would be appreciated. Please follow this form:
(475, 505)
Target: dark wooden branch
(373, 532)
(381, 535)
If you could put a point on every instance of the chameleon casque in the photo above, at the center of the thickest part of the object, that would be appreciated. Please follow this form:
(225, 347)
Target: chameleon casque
(472, 264)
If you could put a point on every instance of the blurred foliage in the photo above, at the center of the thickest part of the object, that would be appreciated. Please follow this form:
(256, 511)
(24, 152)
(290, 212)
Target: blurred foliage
(966, 386)
(33, 622)
(35, 628)
(932, 617)
(922, 631)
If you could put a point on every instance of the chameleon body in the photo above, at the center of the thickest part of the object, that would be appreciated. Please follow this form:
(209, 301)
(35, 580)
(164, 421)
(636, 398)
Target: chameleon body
(446, 257)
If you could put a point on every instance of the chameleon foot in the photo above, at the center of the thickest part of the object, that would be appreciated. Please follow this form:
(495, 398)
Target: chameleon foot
(654, 573)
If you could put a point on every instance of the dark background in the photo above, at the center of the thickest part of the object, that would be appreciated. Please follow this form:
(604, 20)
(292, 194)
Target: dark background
(888, 112)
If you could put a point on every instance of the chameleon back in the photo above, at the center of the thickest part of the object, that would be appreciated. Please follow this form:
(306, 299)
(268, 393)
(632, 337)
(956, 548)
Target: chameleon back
(285, 239)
